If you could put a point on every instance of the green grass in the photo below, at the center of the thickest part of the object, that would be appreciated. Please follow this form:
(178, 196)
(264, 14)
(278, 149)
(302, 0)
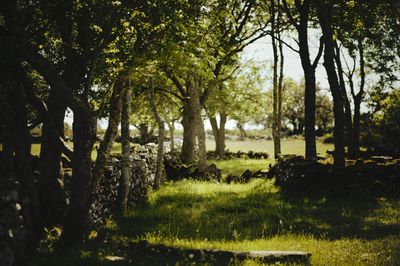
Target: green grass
(238, 166)
(116, 148)
(254, 216)
(289, 146)
(347, 230)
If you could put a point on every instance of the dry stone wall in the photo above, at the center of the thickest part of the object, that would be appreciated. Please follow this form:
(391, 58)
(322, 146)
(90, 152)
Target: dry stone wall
(12, 232)
(143, 159)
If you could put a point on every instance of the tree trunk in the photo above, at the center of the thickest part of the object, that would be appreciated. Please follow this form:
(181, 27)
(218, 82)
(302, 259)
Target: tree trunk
(275, 126)
(106, 144)
(125, 140)
(309, 114)
(171, 127)
(357, 101)
(160, 148)
(201, 141)
(23, 161)
(349, 128)
(76, 221)
(193, 126)
(280, 81)
(243, 133)
(303, 9)
(52, 195)
(7, 156)
(356, 127)
(143, 134)
(219, 134)
(325, 20)
(189, 133)
(347, 107)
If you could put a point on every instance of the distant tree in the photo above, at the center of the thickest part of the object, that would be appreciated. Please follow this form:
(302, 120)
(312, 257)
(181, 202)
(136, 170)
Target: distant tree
(240, 98)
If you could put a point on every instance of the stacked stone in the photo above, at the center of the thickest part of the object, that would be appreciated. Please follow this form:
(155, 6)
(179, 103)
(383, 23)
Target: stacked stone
(106, 196)
(143, 172)
(143, 158)
(11, 223)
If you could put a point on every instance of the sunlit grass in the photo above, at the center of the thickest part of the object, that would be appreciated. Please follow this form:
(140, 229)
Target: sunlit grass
(238, 166)
(254, 216)
(116, 148)
(346, 251)
(289, 146)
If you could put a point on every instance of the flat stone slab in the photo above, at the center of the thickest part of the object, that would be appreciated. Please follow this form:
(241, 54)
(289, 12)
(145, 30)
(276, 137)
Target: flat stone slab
(274, 255)
(144, 252)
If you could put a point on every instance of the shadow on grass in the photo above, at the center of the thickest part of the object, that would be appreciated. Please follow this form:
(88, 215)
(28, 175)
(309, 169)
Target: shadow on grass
(257, 213)
(218, 212)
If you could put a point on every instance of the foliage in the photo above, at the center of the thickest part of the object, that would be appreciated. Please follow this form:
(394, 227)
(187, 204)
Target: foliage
(387, 116)
(293, 108)
(241, 97)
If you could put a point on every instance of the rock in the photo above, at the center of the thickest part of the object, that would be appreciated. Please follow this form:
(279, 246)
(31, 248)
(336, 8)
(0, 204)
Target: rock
(148, 254)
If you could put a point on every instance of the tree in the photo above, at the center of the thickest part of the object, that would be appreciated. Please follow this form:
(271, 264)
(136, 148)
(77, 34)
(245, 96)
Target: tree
(324, 13)
(125, 141)
(240, 99)
(231, 25)
(276, 20)
(299, 17)
(64, 43)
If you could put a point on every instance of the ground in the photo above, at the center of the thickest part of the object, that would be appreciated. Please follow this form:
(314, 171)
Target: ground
(340, 230)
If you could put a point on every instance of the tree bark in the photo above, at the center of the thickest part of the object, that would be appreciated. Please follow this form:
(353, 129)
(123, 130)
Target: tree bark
(219, 134)
(347, 107)
(171, 127)
(242, 131)
(357, 101)
(201, 140)
(161, 134)
(76, 221)
(125, 140)
(280, 79)
(52, 195)
(325, 19)
(189, 133)
(275, 123)
(309, 74)
(17, 152)
(143, 134)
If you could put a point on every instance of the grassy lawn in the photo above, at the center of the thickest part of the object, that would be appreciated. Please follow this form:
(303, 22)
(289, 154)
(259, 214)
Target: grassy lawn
(35, 149)
(347, 230)
(238, 166)
(254, 216)
(289, 146)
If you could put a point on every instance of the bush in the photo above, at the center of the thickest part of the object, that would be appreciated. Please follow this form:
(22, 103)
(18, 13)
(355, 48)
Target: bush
(295, 174)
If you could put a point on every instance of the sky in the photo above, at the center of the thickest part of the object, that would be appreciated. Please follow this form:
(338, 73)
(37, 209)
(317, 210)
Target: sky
(261, 51)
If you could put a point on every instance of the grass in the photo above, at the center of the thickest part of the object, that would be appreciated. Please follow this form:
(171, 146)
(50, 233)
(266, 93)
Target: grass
(347, 230)
(238, 166)
(289, 146)
(254, 216)
(116, 148)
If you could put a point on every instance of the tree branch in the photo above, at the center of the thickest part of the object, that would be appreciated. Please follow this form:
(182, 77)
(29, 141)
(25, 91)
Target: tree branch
(320, 50)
